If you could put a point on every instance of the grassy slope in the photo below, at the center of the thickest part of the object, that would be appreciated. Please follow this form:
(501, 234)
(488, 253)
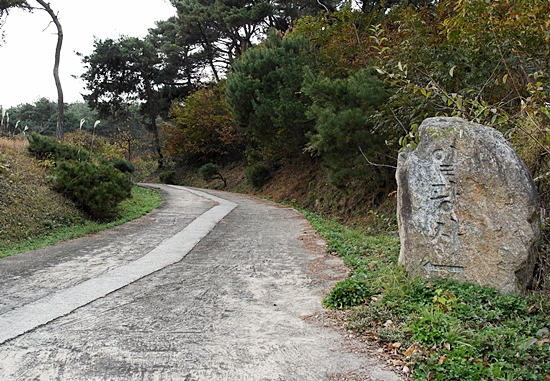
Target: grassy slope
(32, 215)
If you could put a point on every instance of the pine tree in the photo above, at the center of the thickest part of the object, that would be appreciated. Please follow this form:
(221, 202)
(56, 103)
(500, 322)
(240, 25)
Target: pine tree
(263, 93)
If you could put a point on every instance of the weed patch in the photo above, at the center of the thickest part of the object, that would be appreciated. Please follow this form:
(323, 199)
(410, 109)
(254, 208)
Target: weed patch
(442, 329)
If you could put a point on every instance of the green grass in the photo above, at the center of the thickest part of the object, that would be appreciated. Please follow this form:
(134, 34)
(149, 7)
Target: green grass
(443, 329)
(142, 201)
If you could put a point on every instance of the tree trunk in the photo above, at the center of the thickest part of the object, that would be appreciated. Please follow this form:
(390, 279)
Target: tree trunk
(153, 117)
(209, 54)
(60, 105)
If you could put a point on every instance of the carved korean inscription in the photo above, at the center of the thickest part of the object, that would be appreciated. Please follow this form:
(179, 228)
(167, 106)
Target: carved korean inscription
(444, 197)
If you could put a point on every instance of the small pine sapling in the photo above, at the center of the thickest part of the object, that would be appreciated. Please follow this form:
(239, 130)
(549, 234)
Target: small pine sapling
(210, 172)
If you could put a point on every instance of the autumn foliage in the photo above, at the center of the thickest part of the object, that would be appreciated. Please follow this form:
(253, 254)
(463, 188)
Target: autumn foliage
(201, 129)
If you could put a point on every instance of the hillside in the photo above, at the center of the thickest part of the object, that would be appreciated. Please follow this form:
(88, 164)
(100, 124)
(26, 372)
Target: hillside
(28, 206)
(303, 183)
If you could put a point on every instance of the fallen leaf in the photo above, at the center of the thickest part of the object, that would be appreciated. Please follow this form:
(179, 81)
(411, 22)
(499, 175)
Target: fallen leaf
(548, 376)
(447, 346)
(413, 348)
(396, 345)
(442, 360)
(398, 362)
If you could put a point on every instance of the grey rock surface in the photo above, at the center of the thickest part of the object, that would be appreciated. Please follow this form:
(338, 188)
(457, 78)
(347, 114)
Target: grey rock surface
(468, 208)
(209, 286)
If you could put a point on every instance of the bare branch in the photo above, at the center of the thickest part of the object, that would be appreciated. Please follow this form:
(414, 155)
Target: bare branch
(47, 26)
(374, 164)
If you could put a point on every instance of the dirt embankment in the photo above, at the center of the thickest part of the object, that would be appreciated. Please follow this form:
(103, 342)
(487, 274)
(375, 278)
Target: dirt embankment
(304, 183)
(28, 206)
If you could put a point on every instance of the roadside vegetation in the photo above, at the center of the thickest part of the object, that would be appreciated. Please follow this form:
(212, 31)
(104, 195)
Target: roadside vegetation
(34, 215)
(436, 330)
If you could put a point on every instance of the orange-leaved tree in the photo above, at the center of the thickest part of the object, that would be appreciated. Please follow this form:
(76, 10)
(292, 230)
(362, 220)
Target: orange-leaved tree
(201, 129)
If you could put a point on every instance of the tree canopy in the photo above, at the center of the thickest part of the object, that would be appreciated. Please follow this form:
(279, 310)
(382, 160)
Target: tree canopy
(345, 82)
(122, 72)
(201, 130)
(263, 94)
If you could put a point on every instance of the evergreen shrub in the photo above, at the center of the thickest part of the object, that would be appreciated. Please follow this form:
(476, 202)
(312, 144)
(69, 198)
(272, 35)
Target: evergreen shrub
(168, 177)
(123, 166)
(258, 174)
(209, 171)
(96, 189)
(47, 148)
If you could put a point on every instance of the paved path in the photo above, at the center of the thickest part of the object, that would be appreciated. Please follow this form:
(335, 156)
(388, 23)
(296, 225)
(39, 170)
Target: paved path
(209, 286)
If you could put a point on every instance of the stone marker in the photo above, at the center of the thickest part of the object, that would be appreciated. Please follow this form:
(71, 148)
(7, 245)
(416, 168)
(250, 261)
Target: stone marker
(467, 207)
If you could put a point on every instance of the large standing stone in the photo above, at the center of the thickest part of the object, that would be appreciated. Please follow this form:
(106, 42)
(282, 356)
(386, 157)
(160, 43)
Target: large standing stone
(467, 207)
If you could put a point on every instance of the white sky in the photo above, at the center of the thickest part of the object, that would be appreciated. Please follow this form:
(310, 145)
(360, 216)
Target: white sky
(27, 56)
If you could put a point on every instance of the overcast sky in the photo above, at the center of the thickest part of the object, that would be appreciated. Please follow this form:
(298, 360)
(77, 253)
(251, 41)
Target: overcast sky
(27, 56)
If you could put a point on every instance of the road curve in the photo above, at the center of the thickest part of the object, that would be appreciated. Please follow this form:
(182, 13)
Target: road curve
(208, 286)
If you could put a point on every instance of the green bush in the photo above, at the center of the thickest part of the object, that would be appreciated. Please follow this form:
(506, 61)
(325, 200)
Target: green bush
(123, 166)
(168, 177)
(257, 175)
(46, 148)
(209, 171)
(347, 293)
(96, 189)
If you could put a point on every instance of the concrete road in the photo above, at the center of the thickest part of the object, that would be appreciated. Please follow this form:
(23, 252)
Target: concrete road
(208, 286)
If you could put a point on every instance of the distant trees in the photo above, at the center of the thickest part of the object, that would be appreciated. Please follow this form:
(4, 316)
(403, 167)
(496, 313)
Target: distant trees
(35, 117)
(40, 116)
